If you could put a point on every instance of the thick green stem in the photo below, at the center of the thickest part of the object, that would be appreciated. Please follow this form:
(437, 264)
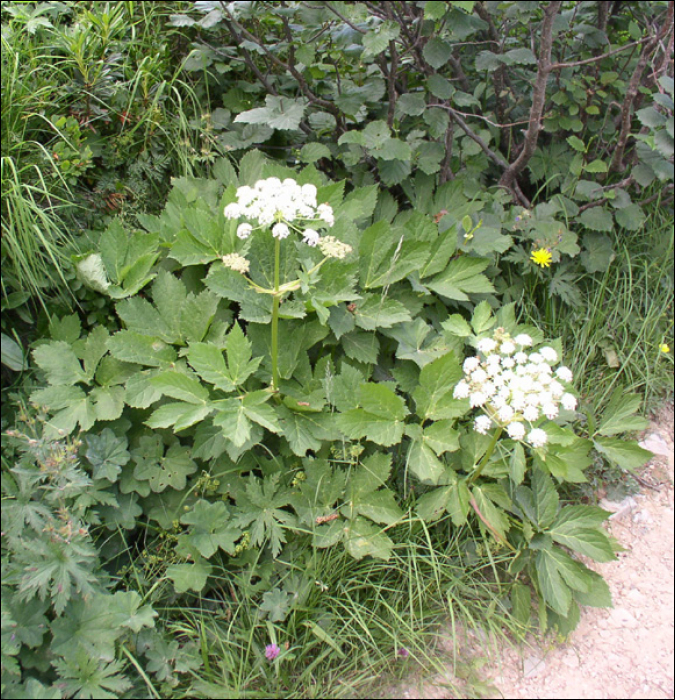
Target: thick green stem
(275, 317)
(488, 454)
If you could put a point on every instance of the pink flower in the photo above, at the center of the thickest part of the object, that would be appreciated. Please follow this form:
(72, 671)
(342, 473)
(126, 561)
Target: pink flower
(272, 651)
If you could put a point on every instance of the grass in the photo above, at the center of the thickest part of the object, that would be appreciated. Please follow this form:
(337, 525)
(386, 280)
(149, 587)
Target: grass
(613, 338)
(348, 621)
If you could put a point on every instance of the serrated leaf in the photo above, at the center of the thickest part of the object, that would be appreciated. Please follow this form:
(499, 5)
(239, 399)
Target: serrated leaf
(277, 604)
(180, 386)
(422, 462)
(619, 415)
(596, 219)
(140, 349)
(439, 86)
(540, 502)
(462, 277)
(596, 166)
(458, 326)
(362, 538)
(361, 346)
(433, 397)
(576, 143)
(209, 529)
(179, 415)
(553, 588)
(208, 361)
(107, 454)
(631, 217)
(189, 577)
(60, 363)
(441, 437)
(482, 319)
(410, 104)
(311, 152)
(231, 417)
(437, 52)
(626, 453)
(376, 311)
(281, 113)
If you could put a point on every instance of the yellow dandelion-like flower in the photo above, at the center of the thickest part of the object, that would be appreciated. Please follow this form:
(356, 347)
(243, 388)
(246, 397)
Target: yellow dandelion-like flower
(541, 257)
(664, 347)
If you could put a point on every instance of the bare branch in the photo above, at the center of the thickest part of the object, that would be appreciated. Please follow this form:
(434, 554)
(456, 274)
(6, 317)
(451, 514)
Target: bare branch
(538, 97)
(572, 64)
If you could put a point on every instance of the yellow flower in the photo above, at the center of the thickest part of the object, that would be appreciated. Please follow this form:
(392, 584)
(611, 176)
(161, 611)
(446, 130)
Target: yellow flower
(541, 257)
(664, 347)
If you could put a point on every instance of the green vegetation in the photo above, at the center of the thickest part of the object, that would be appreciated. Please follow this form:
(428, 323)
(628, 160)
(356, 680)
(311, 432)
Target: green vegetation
(319, 322)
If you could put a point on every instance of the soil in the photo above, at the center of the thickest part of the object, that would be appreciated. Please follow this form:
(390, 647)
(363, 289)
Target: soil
(626, 651)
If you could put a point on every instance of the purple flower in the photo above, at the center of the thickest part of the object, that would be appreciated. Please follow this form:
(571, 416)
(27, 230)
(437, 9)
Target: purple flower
(272, 651)
(403, 653)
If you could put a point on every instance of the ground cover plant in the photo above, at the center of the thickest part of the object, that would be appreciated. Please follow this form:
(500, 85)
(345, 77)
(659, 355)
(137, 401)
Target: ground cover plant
(322, 396)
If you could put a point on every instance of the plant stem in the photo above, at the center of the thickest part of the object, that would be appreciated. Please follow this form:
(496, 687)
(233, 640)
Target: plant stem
(486, 457)
(275, 317)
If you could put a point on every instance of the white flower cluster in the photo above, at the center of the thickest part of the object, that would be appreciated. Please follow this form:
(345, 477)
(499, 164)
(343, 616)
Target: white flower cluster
(514, 387)
(236, 262)
(278, 204)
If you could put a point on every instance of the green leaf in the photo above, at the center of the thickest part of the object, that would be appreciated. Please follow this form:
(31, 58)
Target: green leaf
(576, 143)
(277, 604)
(596, 219)
(259, 412)
(462, 277)
(631, 217)
(618, 416)
(376, 311)
(380, 419)
(423, 463)
(433, 397)
(598, 252)
(441, 437)
(359, 204)
(180, 386)
(361, 346)
(362, 538)
(553, 588)
(626, 453)
(311, 152)
(60, 363)
(596, 166)
(578, 528)
(261, 508)
(494, 515)
(209, 529)
(208, 361)
(540, 502)
(439, 86)
(458, 326)
(141, 349)
(232, 418)
(281, 113)
(107, 454)
(377, 40)
(189, 577)
(179, 415)
(160, 470)
(437, 52)
(482, 319)
(12, 354)
(410, 104)
(197, 314)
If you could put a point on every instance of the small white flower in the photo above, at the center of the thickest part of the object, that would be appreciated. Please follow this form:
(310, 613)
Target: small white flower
(487, 345)
(536, 358)
(531, 413)
(507, 348)
(470, 364)
(489, 388)
(310, 237)
(482, 424)
(516, 431)
(523, 339)
(550, 410)
(508, 362)
(479, 376)
(244, 231)
(498, 402)
(280, 230)
(564, 374)
(549, 354)
(518, 401)
(520, 357)
(478, 398)
(461, 390)
(505, 414)
(556, 388)
(325, 213)
(232, 211)
(537, 437)
(568, 401)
